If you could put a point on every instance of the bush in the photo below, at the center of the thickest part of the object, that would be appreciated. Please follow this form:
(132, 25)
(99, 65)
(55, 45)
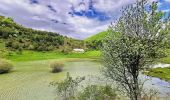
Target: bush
(56, 67)
(5, 66)
(67, 89)
(97, 92)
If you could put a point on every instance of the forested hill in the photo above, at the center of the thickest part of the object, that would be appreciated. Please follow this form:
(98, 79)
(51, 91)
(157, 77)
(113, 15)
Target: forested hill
(17, 37)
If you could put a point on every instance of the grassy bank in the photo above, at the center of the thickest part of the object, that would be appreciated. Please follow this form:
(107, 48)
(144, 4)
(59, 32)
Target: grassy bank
(166, 59)
(162, 73)
(33, 55)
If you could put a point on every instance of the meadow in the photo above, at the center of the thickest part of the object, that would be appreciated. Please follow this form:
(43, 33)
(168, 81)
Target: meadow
(34, 55)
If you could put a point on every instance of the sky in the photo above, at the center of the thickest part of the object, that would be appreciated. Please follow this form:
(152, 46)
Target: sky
(74, 18)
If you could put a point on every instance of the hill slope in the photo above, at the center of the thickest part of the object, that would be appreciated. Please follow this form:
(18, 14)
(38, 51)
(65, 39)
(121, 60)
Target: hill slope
(17, 37)
(97, 37)
(95, 42)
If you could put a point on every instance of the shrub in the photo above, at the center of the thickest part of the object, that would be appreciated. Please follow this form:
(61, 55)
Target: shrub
(56, 67)
(66, 50)
(97, 92)
(5, 66)
(67, 89)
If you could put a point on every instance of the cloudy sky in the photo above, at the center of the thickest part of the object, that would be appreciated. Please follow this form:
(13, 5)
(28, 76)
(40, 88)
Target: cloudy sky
(74, 18)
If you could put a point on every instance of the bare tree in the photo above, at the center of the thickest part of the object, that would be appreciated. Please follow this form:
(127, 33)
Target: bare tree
(132, 44)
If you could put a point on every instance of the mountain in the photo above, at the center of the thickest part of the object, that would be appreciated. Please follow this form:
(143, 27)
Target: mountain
(17, 37)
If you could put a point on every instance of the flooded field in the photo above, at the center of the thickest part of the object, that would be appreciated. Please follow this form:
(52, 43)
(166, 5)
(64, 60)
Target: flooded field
(30, 80)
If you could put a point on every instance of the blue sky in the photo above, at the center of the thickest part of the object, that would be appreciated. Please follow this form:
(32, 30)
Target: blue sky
(74, 18)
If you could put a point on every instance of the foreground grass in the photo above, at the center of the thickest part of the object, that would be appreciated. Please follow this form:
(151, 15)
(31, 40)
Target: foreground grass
(162, 73)
(33, 55)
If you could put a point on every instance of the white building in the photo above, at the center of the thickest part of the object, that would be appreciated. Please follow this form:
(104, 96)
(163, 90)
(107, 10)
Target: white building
(79, 50)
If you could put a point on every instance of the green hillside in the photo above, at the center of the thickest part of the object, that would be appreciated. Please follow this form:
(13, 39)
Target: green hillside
(17, 37)
(97, 37)
(95, 41)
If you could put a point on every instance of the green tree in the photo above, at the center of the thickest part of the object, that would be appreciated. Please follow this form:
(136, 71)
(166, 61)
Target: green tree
(133, 43)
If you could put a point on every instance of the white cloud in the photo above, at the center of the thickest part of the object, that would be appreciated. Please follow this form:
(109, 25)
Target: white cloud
(111, 5)
(167, 0)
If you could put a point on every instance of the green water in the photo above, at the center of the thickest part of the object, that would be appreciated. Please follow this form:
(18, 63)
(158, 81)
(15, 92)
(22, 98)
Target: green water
(30, 80)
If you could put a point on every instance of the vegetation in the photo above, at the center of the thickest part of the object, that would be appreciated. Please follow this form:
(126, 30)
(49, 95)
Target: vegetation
(2, 45)
(98, 37)
(17, 37)
(152, 94)
(95, 42)
(5, 66)
(162, 73)
(134, 43)
(36, 55)
(97, 92)
(165, 59)
(56, 67)
(66, 89)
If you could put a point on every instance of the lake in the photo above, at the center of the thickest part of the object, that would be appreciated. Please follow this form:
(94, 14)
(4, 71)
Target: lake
(30, 80)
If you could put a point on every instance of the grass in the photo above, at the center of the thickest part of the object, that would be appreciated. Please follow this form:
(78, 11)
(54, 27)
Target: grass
(162, 73)
(2, 48)
(33, 55)
(97, 37)
(2, 45)
(166, 59)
